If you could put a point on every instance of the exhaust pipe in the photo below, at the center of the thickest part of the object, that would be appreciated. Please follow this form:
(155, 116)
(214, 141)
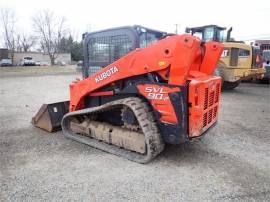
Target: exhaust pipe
(229, 34)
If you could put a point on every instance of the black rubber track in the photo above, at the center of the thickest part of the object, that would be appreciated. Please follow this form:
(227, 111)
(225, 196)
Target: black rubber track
(153, 139)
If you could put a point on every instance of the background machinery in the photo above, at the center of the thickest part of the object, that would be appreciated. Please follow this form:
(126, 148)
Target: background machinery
(141, 89)
(239, 61)
(266, 65)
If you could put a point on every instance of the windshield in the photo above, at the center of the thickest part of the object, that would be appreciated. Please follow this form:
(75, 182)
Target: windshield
(147, 38)
(220, 35)
(208, 34)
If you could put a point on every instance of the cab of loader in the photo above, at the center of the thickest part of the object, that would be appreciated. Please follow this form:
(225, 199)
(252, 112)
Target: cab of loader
(210, 33)
(103, 47)
(239, 61)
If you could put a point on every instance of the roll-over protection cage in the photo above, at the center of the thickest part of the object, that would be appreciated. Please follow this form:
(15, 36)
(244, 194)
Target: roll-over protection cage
(101, 48)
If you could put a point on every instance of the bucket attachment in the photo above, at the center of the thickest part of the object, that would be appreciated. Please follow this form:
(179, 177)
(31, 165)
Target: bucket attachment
(49, 116)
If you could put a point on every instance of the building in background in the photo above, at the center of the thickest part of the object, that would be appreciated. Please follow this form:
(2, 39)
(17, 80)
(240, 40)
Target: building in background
(265, 48)
(41, 57)
(263, 44)
(3, 53)
(36, 56)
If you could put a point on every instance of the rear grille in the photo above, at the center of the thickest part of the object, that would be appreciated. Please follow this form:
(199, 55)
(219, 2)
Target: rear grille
(217, 93)
(211, 99)
(204, 107)
(204, 119)
(205, 99)
(215, 112)
(210, 115)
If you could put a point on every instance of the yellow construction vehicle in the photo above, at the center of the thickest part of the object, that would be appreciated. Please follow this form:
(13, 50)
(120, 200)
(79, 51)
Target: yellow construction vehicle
(239, 61)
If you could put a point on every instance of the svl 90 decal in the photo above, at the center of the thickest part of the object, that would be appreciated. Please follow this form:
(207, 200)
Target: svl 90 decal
(156, 93)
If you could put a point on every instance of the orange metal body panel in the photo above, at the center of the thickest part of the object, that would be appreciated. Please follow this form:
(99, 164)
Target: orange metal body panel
(159, 99)
(204, 96)
(206, 59)
(213, 51)
(104, 93)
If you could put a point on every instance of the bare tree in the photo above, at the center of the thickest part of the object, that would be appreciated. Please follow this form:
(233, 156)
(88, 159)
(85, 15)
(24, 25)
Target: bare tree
(50, 30)
(25, 42)
(18, 46)
(8, 23)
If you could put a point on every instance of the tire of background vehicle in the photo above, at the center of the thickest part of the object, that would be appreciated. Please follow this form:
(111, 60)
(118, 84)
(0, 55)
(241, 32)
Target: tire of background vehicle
(218, 72)
(225, 85)
(230, 85)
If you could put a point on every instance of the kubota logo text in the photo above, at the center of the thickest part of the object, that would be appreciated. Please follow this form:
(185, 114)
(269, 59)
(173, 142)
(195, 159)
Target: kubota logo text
(106, 74)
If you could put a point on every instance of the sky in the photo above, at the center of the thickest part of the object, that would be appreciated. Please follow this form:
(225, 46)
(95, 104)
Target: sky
(249, 18)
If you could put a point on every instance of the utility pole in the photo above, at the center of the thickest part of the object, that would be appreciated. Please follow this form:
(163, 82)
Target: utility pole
(176, 28)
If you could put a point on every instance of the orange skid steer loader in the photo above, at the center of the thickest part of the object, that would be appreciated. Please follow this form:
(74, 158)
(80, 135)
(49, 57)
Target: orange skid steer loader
(147, 89)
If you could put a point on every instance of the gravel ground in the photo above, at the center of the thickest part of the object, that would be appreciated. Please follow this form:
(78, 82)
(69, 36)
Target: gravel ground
(231, 162)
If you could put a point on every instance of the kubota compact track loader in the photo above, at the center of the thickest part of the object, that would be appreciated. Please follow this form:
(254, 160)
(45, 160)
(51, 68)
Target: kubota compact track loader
(155, 89)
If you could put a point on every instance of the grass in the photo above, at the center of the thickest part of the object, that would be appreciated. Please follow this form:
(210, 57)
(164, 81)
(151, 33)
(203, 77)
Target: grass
(37, 69)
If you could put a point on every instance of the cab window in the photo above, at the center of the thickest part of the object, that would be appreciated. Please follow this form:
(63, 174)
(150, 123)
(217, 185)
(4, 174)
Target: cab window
(107, 49)
(208, 34)
(220, 35)
(243, 53)
(147, 38)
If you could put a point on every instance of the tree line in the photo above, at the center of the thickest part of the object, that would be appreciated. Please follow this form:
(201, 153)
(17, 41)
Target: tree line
(50, 35)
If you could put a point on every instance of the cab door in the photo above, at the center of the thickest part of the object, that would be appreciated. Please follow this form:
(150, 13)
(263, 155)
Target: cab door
(234, 57)
(244, 58)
